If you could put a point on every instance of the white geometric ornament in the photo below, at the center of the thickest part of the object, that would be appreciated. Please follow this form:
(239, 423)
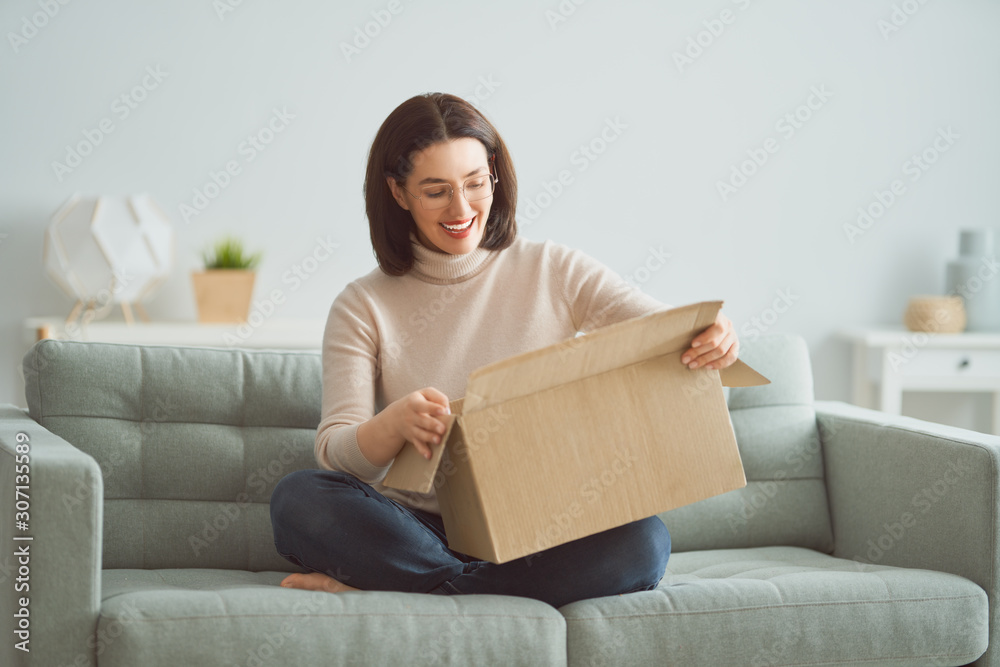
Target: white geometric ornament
(106, 250)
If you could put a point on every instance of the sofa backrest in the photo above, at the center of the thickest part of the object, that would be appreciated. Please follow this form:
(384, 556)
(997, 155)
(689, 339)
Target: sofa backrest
(190, 441)
(784, 501)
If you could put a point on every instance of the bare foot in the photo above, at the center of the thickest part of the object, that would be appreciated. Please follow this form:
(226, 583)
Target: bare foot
(315, 581)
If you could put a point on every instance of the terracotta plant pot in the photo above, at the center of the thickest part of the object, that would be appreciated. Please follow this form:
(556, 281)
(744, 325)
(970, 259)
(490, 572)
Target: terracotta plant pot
(223, 295)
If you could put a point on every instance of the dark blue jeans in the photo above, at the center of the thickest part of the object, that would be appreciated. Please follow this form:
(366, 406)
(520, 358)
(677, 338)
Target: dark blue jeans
(330, 522)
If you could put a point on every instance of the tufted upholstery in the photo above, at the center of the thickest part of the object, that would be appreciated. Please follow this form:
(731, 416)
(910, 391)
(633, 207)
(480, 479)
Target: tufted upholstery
(784, 501)
(777, 605)
(190, 442)
(158, 463)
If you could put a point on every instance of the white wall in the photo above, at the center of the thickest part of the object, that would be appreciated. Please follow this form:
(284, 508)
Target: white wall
(554, 87)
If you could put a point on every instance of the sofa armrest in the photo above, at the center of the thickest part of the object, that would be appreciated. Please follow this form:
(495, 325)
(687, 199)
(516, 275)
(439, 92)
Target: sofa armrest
(64, 490)
(911, 493)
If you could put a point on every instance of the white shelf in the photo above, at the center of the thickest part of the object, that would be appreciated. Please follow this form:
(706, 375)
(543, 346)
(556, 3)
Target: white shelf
(899, 336)
(889, 361)
(273, 333)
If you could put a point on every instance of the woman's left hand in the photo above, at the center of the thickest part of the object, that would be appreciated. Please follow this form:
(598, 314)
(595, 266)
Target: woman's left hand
(715, 347)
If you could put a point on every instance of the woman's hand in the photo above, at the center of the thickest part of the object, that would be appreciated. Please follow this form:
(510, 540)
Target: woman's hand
(414, 419)
(410, 418)
(715, 347)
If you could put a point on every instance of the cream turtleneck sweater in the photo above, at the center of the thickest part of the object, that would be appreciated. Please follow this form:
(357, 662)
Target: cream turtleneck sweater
(387, 336)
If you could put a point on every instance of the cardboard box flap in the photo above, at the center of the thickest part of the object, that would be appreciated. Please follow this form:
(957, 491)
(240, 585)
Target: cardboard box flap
(412, 472)
(741, 375)
(605, 349)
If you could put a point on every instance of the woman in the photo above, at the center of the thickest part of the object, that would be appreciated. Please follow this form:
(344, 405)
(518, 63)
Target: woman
(455, 289)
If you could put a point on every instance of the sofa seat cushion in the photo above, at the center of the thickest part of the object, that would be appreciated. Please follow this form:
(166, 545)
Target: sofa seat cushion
(783, 606)
(215, 617)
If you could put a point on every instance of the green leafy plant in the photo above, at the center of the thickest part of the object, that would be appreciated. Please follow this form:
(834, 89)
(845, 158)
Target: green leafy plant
(228, 253)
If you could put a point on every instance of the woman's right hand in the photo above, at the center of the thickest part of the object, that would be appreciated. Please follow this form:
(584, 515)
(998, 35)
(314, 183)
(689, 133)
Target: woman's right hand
(413, 418)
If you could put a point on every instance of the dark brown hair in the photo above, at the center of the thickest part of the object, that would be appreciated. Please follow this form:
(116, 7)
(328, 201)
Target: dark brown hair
(414, 125)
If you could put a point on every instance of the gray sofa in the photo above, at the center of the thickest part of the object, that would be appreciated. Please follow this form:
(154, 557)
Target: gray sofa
(861, 538)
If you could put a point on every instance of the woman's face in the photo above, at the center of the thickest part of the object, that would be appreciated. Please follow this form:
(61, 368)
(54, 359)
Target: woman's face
(457, 228)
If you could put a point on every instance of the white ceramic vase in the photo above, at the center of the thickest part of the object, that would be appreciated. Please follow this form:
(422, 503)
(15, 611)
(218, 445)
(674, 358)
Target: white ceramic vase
(975, 276)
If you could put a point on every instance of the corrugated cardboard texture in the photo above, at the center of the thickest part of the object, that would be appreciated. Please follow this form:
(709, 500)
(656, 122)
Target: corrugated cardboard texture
(462, 507)
(412, 472)
(579, 437)
(598, 466)
(607, 348)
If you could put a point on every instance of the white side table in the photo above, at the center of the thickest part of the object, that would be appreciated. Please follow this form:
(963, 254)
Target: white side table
(898, 360)
(272, 333)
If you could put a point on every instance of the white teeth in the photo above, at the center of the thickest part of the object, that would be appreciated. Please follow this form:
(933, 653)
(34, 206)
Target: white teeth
(457, 228)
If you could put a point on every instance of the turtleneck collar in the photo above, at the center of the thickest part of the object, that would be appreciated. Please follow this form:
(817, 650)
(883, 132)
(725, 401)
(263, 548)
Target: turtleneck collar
(432, 266)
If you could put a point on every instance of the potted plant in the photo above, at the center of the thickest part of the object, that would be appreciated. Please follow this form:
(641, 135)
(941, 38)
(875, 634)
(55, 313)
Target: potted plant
(224, 289)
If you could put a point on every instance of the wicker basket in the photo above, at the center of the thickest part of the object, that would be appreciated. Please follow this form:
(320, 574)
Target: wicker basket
(937, 314)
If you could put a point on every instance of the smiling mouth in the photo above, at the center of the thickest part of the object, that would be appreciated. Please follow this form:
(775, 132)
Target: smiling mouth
(459, 226)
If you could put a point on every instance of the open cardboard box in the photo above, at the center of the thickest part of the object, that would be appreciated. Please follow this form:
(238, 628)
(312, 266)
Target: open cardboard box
(582, 436)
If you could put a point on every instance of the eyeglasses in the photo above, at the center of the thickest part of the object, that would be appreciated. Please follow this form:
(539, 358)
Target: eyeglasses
(439, 195)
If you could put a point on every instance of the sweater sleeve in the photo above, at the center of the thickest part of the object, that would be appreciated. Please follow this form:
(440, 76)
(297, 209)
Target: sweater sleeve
(350, 369)
(596, 295)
